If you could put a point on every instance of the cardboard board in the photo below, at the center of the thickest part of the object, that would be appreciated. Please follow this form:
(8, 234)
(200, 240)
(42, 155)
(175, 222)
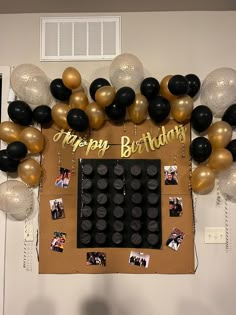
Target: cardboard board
(170, 144)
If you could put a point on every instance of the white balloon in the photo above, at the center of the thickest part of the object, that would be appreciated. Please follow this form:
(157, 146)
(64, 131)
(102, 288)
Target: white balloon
(218, 90)
(126, 70)
(16, 199)
(31, 85)
(227, 183)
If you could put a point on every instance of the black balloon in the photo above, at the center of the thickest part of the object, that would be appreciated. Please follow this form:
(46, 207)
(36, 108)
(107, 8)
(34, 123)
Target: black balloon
(124, 96)
(194, 84)
(42, 114)
(178, 85)
(116, 113)
(159, 109)
(6, 163)
(200, 149)
(20, 113)
(16, 150)
(232, 148)
(201, 118)
(77, 119)
(59, 90)
(150, 87)
(230, 115)
(96, 84)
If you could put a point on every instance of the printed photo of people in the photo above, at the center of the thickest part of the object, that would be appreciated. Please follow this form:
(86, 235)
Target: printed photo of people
(58, 241)
(57, 209)
(63, 178)
(171, 175)
(96, 258)
(175, 206)
(175, 239)
(139, 259)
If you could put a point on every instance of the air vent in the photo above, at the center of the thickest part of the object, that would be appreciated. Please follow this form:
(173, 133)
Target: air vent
(80, 38)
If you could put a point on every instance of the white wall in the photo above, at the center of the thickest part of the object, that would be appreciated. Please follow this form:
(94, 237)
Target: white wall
(166, 43)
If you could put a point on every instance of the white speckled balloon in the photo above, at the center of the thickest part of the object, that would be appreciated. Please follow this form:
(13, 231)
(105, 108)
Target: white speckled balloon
(218, 90)
(15, 198)
(227, 183)
(126, 70)
(31, 85)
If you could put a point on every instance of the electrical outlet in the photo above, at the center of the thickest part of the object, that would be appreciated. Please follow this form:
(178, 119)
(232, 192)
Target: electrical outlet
(215, 235)
(29, 232)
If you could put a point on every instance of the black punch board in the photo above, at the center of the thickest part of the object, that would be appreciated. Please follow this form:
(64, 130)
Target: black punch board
(119, 203)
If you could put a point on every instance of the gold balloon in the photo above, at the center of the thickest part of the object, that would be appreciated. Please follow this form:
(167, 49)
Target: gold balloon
(164, 91)
(10, 132)
(203, 180)
(84, 87)
(33, 139)
(138, 110)
(59, 115)
(96, 115)
(81, 88)
(71, 78)
(30, 171)
(220, 159)
(219, 134)
(78, 100)
(105, 95)
(181, 108)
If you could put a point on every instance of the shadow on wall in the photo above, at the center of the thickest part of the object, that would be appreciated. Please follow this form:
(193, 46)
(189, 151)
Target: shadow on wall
(40, 306)
(95, 306)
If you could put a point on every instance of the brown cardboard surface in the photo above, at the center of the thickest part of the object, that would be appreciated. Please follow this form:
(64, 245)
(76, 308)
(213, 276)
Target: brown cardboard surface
(73, 259)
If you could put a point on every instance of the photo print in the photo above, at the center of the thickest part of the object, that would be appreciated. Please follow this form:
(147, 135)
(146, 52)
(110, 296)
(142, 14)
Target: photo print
(175, 239)
(139, 259)
(171, 175)
(63, 178)
(175, 206)
(96, 259)
(57, 209)
(58, 241)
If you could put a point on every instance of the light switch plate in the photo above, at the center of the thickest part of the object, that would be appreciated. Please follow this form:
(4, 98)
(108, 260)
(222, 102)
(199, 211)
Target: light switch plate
(215, 235)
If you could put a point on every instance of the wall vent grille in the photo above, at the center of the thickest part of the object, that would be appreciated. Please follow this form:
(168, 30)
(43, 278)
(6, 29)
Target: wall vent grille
(80, 38)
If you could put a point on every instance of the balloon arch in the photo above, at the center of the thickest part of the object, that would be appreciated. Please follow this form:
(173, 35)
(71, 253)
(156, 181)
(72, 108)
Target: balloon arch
(127, 95)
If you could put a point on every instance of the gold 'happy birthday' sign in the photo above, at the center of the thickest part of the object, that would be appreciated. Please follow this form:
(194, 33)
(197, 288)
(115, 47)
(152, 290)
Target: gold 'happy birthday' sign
(145, 143)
